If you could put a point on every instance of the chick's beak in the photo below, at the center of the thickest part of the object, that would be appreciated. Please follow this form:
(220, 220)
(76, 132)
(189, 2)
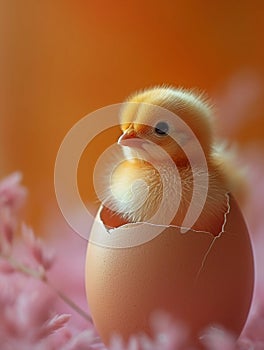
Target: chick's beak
(126, 137)
(134, 145)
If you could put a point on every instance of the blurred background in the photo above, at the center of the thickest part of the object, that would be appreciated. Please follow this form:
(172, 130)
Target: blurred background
(60, 60)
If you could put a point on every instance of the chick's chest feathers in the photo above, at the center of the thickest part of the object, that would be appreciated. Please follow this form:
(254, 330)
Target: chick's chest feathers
(138, 191)
(135, 188)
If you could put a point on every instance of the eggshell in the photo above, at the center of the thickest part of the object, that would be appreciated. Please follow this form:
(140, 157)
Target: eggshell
(196, 277)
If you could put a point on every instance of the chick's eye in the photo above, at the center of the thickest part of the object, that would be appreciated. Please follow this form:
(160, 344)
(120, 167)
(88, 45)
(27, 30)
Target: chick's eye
(162, 128)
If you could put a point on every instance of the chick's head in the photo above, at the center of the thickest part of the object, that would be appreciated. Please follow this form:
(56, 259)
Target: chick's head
(174, 119)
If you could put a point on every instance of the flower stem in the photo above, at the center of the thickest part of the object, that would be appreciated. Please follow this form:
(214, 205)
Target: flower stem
(69, 301)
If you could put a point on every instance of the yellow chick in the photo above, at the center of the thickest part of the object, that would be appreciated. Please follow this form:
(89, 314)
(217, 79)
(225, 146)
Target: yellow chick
(162, 129)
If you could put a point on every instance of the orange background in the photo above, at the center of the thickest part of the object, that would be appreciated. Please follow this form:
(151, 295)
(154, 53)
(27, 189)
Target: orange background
(63, 59)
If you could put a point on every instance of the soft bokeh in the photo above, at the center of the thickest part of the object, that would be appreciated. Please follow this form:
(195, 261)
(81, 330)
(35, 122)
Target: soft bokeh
(63, 59)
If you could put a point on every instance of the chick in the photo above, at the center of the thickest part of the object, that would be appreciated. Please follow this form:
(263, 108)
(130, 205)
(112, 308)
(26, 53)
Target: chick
(162, 127)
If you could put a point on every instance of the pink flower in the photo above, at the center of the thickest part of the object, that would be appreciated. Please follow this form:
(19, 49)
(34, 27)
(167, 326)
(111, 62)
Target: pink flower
(12, 197)
(218, 339)
(12, 194)
(43, 256)
(53, 325)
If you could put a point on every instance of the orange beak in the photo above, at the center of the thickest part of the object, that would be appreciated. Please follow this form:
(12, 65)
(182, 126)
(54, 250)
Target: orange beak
(127, 135)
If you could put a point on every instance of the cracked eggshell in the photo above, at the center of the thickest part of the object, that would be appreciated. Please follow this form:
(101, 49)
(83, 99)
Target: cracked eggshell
(198, 278)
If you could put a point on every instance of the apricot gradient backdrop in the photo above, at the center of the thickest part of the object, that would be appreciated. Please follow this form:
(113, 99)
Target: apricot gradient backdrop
(60, 60)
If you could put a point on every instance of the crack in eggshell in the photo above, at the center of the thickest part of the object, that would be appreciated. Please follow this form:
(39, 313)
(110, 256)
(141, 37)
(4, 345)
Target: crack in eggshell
(215, 238)
(115, 228)
(111, 229)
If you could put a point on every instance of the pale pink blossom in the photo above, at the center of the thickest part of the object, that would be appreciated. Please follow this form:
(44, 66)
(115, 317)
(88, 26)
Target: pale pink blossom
(43, 256)
(12, 193)
(217, 338)
(12, 198)
(84, 340)
(53, 325)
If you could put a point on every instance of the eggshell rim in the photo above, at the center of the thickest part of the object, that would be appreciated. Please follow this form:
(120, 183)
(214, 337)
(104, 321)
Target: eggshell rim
(106, 238)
